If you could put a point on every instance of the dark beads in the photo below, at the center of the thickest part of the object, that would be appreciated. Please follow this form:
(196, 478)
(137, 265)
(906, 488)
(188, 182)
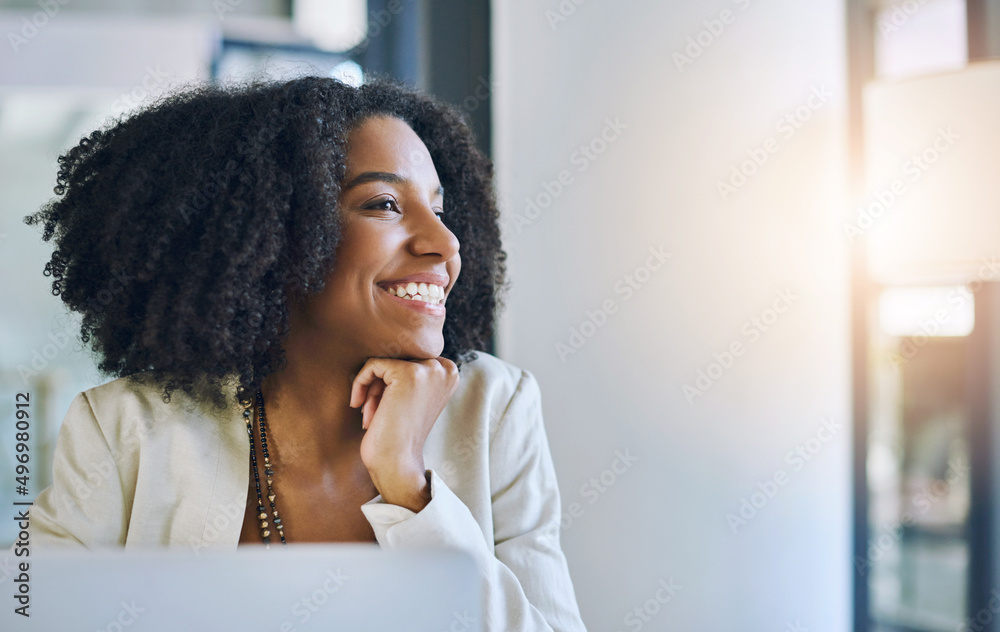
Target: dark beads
(268, 473)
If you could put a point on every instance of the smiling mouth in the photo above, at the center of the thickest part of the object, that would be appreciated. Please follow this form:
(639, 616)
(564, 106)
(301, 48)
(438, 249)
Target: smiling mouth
(414, 304)
(427, 293)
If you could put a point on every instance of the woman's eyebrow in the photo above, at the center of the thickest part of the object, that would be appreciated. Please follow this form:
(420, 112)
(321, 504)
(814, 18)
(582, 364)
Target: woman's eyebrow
(382, 176)
(375, 176)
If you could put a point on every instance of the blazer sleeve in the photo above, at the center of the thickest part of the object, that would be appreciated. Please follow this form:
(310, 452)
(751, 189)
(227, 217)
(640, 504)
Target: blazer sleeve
(527, 585)
(85, 504)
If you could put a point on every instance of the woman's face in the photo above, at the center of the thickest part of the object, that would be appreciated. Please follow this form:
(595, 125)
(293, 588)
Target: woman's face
(392, 236)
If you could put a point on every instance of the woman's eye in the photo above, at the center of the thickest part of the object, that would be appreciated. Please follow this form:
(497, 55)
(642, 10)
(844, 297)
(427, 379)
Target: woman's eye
(387, 204)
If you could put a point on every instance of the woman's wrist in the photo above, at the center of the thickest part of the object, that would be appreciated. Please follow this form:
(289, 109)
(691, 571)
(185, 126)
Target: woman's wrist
(413, 493)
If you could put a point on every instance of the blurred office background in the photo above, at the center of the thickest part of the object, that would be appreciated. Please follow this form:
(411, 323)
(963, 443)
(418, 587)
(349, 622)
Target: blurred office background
(753, 254)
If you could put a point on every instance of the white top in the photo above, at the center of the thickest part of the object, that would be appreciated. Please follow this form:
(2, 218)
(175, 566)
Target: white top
(130, 470)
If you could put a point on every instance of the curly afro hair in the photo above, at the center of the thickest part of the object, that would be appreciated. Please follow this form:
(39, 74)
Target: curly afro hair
(184, 231)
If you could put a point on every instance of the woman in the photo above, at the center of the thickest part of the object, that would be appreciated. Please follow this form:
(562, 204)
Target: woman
(267, 270)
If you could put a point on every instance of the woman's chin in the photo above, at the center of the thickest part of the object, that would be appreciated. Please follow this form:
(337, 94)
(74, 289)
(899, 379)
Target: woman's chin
(427, 353)
(413, 350)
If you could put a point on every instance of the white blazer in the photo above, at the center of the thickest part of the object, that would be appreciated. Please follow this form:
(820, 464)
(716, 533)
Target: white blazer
(130, 470)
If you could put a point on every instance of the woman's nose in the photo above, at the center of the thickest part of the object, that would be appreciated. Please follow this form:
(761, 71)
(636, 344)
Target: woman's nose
(431, 235)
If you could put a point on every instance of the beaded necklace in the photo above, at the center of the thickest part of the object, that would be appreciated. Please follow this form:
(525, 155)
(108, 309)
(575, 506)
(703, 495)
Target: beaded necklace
(265, 532)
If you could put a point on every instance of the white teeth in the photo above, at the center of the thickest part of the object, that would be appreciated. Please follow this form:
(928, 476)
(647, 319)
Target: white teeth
(426, 292)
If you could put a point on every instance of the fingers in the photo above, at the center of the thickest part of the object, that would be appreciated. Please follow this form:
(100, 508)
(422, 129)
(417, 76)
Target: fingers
(370, 405)
(383, 371)
(369, 373)
(451, 373)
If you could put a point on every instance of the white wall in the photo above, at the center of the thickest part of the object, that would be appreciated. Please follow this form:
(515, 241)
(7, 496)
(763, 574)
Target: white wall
(665, 516)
